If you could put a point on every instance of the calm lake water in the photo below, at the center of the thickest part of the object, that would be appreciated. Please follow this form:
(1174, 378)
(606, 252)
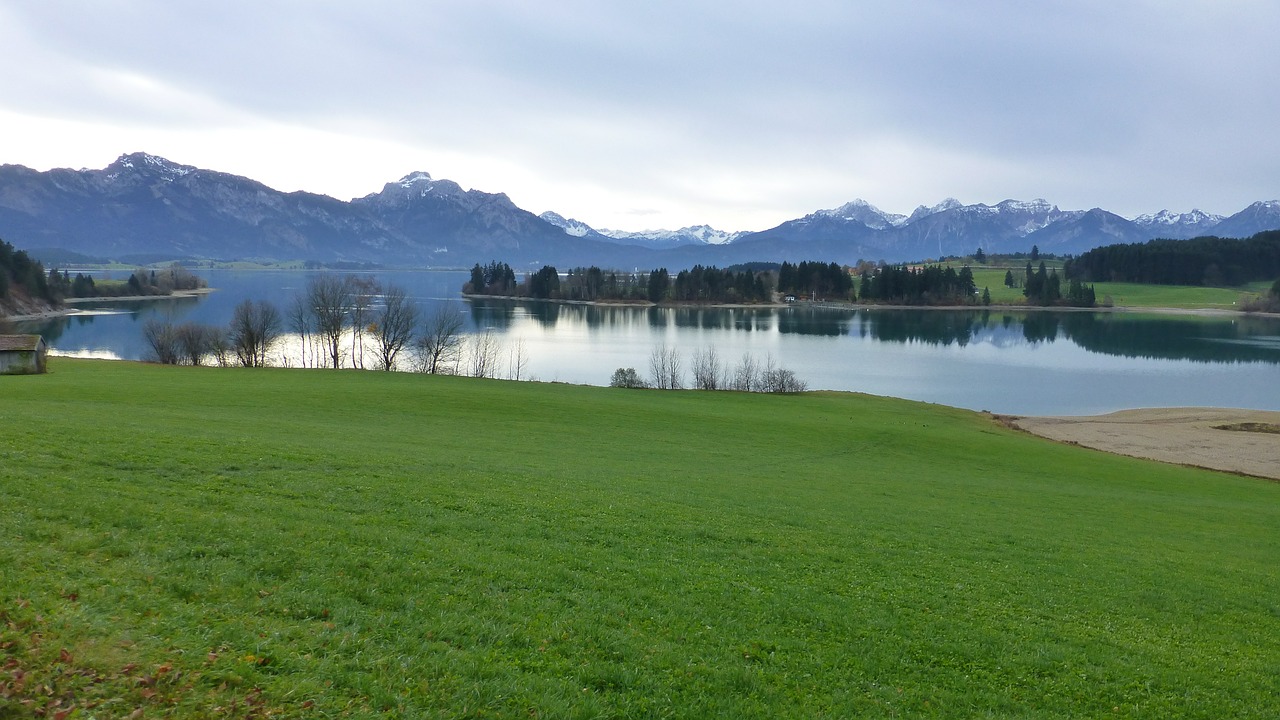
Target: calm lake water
(1042, 363)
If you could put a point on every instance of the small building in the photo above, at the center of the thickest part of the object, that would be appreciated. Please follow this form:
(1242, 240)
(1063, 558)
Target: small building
(22, 354)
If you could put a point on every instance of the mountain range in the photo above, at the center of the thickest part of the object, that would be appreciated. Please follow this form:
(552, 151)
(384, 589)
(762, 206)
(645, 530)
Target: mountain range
(142, 208)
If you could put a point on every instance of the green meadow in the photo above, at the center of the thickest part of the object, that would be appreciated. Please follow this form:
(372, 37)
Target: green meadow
(1128, 294)
(199, 542)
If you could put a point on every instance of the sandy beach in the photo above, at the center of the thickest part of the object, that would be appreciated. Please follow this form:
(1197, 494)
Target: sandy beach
(1246, 442)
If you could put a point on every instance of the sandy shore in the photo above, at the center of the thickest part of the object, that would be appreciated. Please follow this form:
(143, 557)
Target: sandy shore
(1185, 436)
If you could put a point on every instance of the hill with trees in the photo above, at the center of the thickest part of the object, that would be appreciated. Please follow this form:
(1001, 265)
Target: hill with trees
(24, 288)
(1210, 261)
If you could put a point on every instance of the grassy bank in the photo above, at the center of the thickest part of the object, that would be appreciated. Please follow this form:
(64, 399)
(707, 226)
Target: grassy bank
(209, 543)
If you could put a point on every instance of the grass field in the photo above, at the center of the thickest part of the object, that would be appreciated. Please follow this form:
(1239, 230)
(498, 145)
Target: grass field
(179, 542)
(1127, 294)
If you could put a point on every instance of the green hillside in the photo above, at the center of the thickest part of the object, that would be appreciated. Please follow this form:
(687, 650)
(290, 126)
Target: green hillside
(194, 542)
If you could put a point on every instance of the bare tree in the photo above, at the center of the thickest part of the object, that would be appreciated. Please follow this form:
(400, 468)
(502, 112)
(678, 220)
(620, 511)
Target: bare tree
(518, 360)
(440, 344)
(774, 379)
(163, 340)
(255, 328)
(394, 325)
(746, 376)
(665, 369)
(483, 351)
(363, 290)
(708, 371)
(220, 347)
(330, 300)
(195, 341)
(300, 323)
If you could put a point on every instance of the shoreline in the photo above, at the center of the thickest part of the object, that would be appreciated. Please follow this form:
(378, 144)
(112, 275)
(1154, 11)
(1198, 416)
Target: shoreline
(844, 306)
(72, 311)
(1212, 438)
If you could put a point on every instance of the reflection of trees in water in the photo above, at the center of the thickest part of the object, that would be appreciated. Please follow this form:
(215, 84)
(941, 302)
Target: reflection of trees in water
(50, 329)
(630, 316)
(1040, 327)
(492, 313)
(813, 321)
(137, 311)
(704, 318)
(932, 327)
(1240, 340)
(544, 313)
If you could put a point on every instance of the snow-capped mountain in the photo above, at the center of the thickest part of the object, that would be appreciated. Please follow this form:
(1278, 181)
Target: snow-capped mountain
(864, 212)
(1254, 219)
(576, 228)
(694, 235)
(924, 211)
(1177, 226)
(144, 206)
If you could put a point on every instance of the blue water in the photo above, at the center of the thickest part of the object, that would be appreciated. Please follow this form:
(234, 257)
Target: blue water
(1008, 362)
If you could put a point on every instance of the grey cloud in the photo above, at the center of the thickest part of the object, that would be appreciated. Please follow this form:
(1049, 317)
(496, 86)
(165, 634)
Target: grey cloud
(1132, 105)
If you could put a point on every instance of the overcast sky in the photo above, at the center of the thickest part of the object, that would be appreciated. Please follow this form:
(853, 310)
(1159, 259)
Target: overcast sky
(640, 115)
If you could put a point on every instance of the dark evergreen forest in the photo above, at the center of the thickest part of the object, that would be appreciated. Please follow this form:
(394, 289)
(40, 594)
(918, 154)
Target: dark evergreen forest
(20, 273)
(1210, 261)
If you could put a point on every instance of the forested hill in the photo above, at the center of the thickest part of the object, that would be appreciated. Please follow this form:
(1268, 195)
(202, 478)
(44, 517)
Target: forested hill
(23, 286)
(1199, 261)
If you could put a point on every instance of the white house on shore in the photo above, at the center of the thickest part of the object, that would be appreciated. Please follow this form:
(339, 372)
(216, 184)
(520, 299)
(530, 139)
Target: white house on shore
(22, 354)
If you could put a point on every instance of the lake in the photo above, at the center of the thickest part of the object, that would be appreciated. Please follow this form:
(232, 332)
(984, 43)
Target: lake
(1029, 363)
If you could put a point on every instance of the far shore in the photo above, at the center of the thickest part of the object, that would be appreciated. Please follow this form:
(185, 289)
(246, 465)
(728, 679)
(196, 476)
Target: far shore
(68, 311)
(833, 305)
(837, 305)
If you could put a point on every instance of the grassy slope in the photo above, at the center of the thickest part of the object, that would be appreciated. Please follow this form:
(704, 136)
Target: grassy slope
(207, 542)
(1128, 294)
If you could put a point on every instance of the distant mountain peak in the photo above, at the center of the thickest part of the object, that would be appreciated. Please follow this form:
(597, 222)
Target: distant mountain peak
(922, 211)
(417, 184)
(576, 228)
(145, 162)
(145, 204)
(860, 210)
(1039, 205)
(414, 178)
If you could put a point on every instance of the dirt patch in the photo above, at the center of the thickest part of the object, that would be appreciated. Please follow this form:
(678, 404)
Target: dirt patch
(1251, 427)
(1185, 436)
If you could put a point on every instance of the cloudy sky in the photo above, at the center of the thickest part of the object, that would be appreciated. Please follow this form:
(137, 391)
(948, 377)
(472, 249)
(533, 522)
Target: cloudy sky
(639, 115)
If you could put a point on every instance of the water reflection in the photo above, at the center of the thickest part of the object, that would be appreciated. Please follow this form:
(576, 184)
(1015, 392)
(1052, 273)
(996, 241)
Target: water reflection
(997, 359)
(1199, 339)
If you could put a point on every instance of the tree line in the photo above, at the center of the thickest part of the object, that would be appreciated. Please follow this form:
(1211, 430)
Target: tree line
(929, 285)
(709, 372)
(828, 281)
(345, 321)
(20, 274)
(141, 282)
(697, 284)
(1210, 261)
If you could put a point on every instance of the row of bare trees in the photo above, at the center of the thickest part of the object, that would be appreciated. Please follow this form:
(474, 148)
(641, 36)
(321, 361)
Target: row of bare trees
(709, 372)
(254, 329)
(343, 321)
